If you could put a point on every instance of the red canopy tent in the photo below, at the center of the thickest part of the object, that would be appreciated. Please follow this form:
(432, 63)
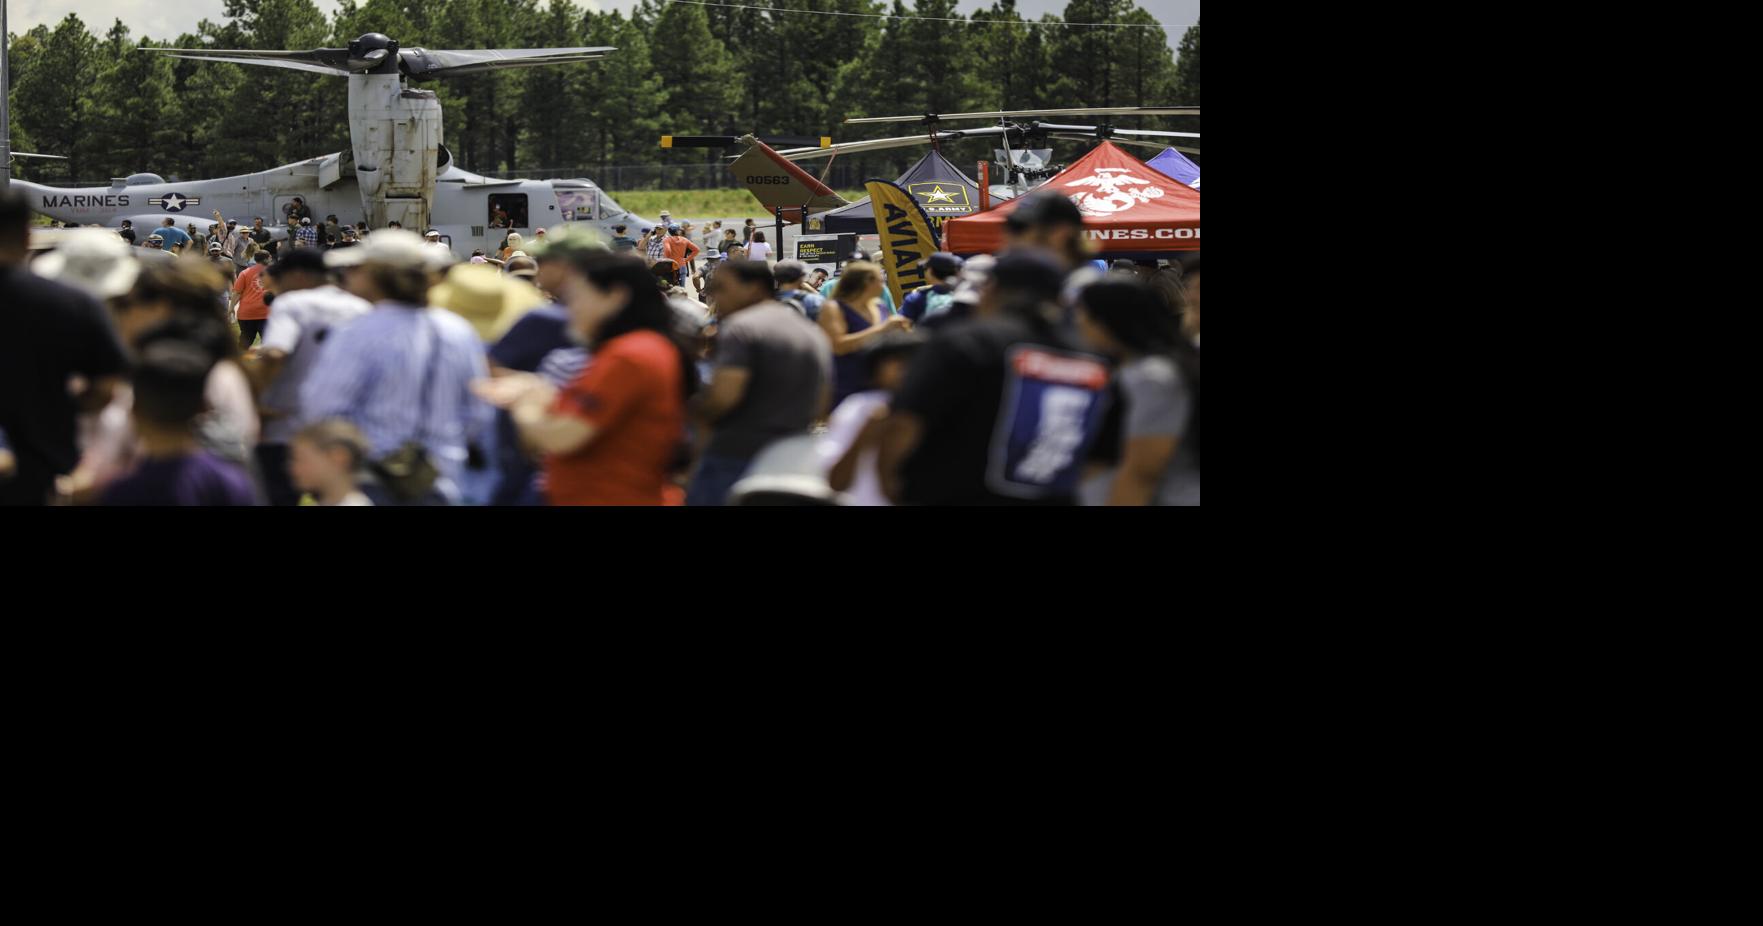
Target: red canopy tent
(1130, 210)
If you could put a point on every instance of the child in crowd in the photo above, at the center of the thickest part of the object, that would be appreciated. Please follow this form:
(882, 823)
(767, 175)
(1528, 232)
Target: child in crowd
(848, 448)
(169, 382)
(324, 461)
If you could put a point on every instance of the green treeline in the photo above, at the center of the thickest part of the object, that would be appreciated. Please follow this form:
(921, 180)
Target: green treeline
(680, 68)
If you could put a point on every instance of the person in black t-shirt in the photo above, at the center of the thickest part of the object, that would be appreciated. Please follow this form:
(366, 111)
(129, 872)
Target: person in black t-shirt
(296, 209)
(998, 409)
(49, 333)
(262, 236)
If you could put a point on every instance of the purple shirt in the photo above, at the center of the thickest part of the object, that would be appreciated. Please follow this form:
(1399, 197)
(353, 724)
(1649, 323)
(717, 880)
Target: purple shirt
(200, 478)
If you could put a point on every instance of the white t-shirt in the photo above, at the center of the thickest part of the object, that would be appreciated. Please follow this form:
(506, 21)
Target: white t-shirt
(759, 250)
(842, 428)
(299, 327)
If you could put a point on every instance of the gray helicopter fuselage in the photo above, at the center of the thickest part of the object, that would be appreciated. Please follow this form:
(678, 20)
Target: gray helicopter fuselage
(466, 207)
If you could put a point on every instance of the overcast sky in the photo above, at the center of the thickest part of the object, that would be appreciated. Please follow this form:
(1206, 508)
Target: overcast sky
(168, 18)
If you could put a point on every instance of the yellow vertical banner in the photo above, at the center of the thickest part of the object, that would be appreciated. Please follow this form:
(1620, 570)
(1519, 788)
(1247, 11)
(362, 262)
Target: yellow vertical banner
(906, 236)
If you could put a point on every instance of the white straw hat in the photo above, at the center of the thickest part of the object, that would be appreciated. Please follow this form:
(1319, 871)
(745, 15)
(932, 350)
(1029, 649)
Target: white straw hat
(95, 260)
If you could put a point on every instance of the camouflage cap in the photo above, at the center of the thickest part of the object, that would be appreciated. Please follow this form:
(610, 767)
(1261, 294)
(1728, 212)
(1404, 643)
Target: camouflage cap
(566, 243)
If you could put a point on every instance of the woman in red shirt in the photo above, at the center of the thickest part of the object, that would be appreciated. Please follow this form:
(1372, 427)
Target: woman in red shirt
(612, 435)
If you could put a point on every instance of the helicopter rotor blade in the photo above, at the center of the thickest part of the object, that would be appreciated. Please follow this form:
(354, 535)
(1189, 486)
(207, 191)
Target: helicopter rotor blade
(286, 64)
(883, 144)
(317, 60)
(424, 63)
(1139, 132)
(1022, 113)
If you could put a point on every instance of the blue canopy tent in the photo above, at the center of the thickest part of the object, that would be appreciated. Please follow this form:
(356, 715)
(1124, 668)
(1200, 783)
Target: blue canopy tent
(1173, 164)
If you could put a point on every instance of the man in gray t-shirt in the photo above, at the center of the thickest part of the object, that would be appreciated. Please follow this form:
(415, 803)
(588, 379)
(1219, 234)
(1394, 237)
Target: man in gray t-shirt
(772, 377)
(1157, 403)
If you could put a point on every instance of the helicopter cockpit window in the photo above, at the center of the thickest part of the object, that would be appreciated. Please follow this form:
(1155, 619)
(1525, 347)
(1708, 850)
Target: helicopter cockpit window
(609, 208)
(508, 210)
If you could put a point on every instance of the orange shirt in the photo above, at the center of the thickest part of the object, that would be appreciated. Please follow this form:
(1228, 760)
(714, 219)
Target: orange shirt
(631, 393)
(249, 286)
(675, 247)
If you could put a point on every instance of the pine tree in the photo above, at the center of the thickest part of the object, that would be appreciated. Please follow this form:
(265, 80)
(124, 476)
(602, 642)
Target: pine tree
(135, 115)
(555, 99)
(1187, 68)
(22, 54)
(697, 72)
(998, 40)
(52, 99)
(292, 114)
(799, 75)
(625, 121)
(751, 36)
(699, 78)
(207, 145)
(1089, 59)
(870, 85)
(479, 111)
(937, 75)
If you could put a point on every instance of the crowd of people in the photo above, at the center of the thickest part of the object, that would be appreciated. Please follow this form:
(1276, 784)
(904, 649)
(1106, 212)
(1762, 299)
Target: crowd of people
(334, 365)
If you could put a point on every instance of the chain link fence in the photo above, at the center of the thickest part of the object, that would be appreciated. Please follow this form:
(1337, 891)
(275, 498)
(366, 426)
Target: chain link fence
(615, 178)
(847, 174)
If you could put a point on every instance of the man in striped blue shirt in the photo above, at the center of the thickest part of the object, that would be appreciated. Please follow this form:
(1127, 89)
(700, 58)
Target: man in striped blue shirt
(403, 371)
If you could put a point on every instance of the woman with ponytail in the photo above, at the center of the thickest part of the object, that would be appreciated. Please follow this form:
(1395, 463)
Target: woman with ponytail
(612, 436)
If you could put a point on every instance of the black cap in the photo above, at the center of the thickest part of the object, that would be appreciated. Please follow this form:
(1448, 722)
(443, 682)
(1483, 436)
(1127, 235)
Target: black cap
(943, 264)
(1028, 271)
(310, 260)
(1044, 208)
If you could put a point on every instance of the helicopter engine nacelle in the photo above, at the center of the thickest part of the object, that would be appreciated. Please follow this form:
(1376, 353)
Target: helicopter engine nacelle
(396, 135)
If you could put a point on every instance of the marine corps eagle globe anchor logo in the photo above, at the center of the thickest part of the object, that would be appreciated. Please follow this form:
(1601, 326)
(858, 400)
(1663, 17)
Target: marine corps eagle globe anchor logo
(1116, 190)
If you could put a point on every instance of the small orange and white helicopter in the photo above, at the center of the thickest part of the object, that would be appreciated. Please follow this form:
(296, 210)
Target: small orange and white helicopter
(775, 178)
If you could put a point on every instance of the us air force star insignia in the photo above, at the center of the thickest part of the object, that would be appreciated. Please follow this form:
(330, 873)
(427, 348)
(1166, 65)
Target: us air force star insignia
(174, 202)
(939, 195)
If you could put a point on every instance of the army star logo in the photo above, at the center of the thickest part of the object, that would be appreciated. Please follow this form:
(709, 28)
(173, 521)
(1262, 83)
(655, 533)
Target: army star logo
(937, 198)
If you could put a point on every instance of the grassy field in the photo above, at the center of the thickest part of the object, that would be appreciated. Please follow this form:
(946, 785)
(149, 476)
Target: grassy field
(719, 204)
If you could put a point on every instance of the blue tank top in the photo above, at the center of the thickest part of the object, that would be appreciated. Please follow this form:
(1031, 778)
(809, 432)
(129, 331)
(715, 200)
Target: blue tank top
(850, 371)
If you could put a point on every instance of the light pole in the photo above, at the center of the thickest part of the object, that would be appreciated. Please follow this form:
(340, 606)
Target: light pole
(5, 113)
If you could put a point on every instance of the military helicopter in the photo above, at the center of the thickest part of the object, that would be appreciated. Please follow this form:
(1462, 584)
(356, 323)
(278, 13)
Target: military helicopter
(397, 169)
(777, 181)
